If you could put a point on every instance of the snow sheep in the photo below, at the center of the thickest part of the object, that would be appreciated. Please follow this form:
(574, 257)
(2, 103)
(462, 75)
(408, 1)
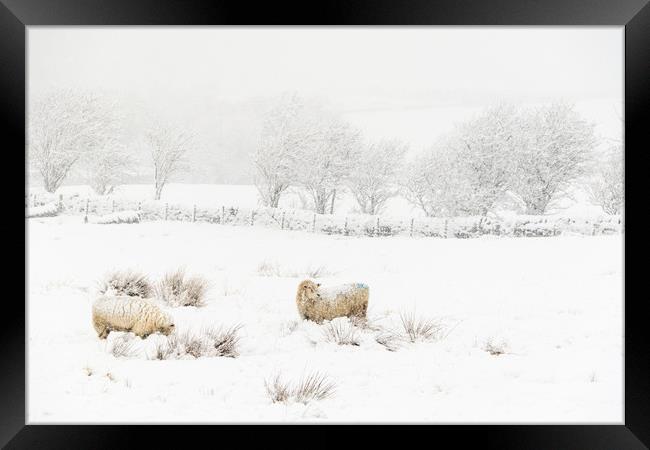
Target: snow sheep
(318, 304)
(124, 313)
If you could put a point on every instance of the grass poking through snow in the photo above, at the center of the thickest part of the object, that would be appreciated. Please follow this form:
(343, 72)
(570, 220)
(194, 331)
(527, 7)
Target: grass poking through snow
(311, 387)
(126, 282)
(178, 290)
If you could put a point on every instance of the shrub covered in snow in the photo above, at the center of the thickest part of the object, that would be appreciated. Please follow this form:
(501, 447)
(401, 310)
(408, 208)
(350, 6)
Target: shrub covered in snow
(47, 210)
(117, 217)
(127, 282)
(496, 347)
(178, 290)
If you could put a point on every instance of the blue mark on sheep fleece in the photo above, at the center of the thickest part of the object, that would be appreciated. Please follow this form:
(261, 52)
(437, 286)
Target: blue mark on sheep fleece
(362, 286)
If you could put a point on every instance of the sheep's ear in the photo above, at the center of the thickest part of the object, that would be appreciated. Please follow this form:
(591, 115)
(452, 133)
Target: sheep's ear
(317, 284)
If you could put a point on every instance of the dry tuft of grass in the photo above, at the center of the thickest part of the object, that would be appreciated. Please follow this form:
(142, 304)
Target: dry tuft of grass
(311, 387)
(278, 390)
(123, 348)
(273, 269)
(208, 342)
(390, 340)
(162, 350)
(178, 290)
(318, 272)
(223, 342)
(314, 386)
(88, 371)
(268, 269)
(341, 332)
(126, 282)
(417, 329)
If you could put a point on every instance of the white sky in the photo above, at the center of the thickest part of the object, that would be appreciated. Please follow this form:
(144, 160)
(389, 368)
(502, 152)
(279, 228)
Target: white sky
(412, 83)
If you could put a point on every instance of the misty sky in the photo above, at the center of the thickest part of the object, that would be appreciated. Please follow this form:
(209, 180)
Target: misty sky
(409, 83)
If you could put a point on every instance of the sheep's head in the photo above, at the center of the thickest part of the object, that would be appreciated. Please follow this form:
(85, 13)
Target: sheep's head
(309, 290)
(166, 325)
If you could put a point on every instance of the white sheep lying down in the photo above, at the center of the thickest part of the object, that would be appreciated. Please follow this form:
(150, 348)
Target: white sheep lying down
(318, 303)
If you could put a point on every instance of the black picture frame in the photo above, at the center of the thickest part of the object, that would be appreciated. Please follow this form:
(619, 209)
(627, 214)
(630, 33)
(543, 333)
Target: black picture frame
(16, 15)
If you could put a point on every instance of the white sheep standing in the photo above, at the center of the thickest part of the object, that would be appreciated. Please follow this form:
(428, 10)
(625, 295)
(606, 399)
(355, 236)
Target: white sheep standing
(124, 313)
(317, 304)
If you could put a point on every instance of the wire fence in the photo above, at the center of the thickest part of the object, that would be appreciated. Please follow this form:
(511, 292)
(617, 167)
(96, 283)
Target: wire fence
(108, 210)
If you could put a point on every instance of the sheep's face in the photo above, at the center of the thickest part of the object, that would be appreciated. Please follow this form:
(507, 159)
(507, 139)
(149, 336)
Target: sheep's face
(167, 330)
(167, 327)
(309, 290)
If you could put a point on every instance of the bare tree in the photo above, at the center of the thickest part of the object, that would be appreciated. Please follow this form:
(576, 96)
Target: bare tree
(555, 152)
(168, 146)
(374, 176)
(64, 126)
(327, 160)
(284, 135)
(606, 186)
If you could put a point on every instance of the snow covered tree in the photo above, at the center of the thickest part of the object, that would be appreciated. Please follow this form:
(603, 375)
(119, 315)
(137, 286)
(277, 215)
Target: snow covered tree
(285, 134)
(373, 178)
(606, 186)
(107, 168)
(434, 182)
(470, 169)
(486, 147)
(169, 146)
(325, 162)
(65, 126)
(555, 152)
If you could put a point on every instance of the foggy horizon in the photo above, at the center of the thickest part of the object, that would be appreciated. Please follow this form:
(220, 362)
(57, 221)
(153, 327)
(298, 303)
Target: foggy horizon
(412, 84)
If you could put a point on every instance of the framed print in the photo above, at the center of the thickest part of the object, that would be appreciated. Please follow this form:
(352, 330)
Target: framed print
(360, 213)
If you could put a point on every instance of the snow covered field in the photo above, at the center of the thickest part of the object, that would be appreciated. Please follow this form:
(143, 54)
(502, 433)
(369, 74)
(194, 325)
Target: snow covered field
(553, 305)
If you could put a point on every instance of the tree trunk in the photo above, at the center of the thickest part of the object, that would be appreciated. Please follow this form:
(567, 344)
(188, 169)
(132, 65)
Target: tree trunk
(158, 191)
(49, 187)
(535, 209)
(332, 205)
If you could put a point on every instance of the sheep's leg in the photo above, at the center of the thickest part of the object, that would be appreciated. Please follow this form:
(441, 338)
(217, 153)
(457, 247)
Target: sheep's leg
(104, 333)
(101, 329)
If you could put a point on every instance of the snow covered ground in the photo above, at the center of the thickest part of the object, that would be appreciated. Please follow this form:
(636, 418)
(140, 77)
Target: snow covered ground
(553, 305)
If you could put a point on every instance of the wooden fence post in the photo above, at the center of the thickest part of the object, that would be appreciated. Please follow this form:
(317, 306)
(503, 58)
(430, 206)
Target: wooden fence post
(223, 214)
(194, 214)
(60, 206)
(113, 205)
(282, 222)
(411, 234)
(86, 216)
(252, 217)
(313, 224)
(139, 206)
(446, 228)
(345, 227)
(166, 210)
(377, 227)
